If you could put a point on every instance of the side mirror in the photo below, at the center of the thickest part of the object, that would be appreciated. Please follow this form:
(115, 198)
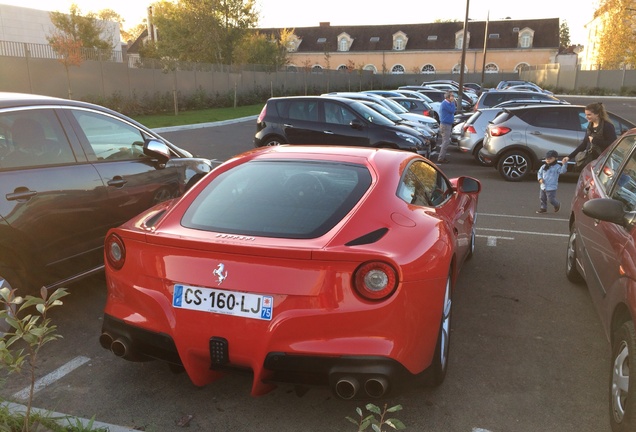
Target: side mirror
(356, 124)
(468, 185)
(609, 210)
(158, 150)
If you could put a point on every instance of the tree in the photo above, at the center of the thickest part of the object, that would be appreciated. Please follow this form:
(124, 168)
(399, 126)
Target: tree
(87, 29)
(617, 37)
(203, 30)
(131, 33)
(258, 48)
(564, 35)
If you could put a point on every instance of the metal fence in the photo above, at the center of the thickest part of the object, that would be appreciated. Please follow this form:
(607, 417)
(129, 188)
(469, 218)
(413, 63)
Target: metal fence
(35, 68)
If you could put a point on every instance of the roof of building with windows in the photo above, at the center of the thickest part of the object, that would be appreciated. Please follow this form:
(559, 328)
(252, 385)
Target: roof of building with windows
(430, 36)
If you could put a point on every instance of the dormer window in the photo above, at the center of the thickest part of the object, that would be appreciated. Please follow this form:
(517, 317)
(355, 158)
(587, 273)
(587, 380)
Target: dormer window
(293, 43)
(399, 41)
(344, 42)
(321, 40)
(459, 39)
(526, 37)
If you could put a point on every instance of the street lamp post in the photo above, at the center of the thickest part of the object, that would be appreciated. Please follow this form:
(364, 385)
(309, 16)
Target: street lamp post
(463, 62)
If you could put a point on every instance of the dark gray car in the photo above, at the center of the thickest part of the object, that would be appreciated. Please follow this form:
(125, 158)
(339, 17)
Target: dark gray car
(69, 171)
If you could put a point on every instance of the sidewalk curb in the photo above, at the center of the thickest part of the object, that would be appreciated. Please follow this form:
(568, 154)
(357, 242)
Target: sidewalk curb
(203, 125)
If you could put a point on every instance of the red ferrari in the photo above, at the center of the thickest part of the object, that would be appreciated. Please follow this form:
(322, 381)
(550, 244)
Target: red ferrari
(301, 264)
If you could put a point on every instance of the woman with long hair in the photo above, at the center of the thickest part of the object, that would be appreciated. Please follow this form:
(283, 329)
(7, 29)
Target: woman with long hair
(600, 132)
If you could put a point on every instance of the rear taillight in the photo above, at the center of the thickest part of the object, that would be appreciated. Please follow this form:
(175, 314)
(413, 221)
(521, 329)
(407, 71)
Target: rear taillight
(115, 251)
(375, 280)
(261, 116)
(499, 130)
(470, 129)
(427, 113)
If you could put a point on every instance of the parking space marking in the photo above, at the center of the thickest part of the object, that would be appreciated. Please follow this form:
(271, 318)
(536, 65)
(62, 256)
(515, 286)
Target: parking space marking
(523, 217)
(523, 232)
(52, 377)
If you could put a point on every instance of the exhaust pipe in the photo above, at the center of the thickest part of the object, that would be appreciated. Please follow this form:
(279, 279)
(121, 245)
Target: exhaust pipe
(376, 387)
(120, 347)
(347, 387)
(106, 340)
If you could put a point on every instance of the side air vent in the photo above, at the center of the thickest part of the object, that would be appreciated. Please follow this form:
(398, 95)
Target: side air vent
(371, 237)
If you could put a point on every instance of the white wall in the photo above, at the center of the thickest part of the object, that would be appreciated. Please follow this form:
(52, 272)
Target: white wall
(18, 24)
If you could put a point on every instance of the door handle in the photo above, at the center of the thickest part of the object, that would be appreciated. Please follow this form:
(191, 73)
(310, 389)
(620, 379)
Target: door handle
(21, 194)
(328, 132)
(287, 125)
(536, 133)
(117, 181)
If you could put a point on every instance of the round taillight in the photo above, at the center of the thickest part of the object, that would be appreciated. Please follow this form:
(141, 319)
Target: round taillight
(375, 280)
(115, 251)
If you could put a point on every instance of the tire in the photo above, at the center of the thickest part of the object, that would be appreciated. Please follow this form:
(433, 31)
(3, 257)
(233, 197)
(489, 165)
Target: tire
(571, 270)
(440, 360)
(273, 141)
(514, 166)
(622, 387)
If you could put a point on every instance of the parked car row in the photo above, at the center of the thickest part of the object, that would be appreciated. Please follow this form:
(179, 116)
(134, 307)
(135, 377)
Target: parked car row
(352, 118)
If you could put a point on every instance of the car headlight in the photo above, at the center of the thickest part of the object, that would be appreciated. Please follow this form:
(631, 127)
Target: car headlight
(410, 138)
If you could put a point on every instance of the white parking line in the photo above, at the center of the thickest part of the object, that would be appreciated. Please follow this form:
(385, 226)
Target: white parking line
(523, 217)
(52, 377)
(523, 232)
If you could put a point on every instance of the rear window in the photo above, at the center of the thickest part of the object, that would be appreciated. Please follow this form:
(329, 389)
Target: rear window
(282, 199)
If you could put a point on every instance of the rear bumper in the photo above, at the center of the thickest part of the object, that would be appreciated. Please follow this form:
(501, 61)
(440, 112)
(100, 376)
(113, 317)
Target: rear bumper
(348, 376)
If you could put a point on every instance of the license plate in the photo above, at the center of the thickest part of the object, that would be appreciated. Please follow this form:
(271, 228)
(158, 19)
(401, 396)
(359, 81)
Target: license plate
(223, 302)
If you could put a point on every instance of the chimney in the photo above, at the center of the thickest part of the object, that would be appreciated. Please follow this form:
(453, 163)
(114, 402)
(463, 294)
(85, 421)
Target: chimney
(325, 24)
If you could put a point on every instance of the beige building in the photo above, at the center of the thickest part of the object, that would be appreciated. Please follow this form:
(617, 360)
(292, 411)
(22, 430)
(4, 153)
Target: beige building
(493, 46)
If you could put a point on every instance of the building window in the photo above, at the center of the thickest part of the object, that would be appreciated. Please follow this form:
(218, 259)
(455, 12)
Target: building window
(344, 42)
(521, 66)
(371, 68)
(399, 41)
(526, 37)
(292, 68)
(493, 36)
(343, 68)
(491, 68)
(293, 43)
(316, 69)
(459, 39)
(457, 69)
(428, 69)
(397, 69)
(432, 37)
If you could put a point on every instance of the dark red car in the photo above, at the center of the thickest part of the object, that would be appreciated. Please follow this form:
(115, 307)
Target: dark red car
(602, 252)
(314, 265)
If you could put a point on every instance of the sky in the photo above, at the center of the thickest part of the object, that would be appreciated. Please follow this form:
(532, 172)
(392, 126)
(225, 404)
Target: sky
(288, 14)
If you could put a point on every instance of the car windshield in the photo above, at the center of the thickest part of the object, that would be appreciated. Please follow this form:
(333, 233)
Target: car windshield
(282, 199)
(396, 107)
(384, 111)
(371, 115)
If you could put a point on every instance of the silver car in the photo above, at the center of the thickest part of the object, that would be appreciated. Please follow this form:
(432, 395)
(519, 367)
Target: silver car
(471, 137)
(517, 140)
